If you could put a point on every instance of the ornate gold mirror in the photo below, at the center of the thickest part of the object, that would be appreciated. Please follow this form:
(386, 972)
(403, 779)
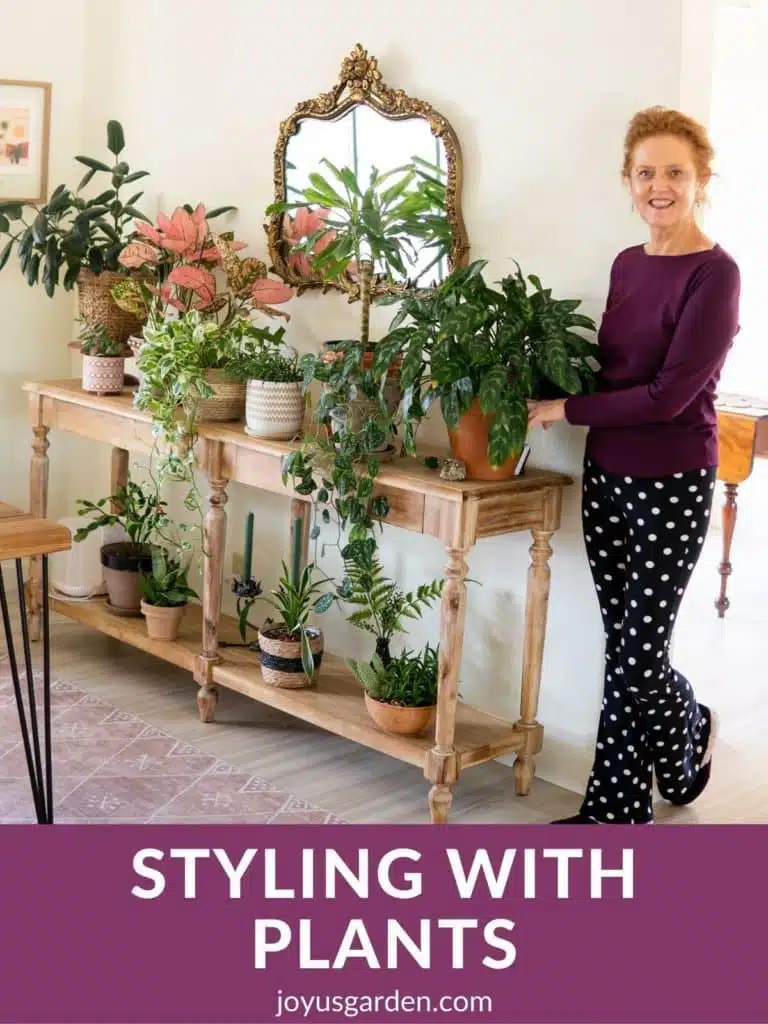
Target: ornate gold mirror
(379, 135)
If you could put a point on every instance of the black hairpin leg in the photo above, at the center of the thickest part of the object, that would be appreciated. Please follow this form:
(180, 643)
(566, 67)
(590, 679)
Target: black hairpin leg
(39, 763)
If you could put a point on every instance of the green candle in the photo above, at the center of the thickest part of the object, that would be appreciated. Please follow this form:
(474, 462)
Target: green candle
(248, 553)
(298, 530)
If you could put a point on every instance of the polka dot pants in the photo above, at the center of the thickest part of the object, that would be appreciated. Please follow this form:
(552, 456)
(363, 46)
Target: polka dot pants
(643, 538)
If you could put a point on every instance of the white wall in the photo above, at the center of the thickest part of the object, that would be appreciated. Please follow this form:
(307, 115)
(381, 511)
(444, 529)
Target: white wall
(539, 94)
(39, 41)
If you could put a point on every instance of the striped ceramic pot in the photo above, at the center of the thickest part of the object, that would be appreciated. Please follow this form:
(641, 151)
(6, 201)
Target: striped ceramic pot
(274, 409)
(103, 375)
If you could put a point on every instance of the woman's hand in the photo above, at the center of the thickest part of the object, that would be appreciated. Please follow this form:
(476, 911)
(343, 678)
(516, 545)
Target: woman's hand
(544, 414)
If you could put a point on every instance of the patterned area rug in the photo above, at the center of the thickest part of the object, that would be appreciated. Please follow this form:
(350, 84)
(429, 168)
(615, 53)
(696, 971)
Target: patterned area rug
(112, 768)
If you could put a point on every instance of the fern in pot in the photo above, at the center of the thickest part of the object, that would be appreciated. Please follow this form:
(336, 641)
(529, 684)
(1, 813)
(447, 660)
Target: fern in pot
(275, 397)
(103, 360)
(401, 696)
(165, 594)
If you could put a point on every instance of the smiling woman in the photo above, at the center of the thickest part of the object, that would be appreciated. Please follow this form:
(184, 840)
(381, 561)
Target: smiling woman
(650, 467)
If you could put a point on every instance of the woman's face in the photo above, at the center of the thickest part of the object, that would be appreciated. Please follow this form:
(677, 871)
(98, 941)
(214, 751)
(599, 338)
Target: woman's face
(664, 181)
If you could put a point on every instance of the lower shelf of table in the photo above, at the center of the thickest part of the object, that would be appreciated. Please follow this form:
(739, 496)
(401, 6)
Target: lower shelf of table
(334, 703)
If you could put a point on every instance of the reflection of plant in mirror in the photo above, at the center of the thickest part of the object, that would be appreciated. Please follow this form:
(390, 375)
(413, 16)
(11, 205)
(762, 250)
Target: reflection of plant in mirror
(366, 230)
(467, 341)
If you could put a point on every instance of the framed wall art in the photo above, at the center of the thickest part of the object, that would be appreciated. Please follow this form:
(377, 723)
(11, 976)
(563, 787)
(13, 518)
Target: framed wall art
(25, 116)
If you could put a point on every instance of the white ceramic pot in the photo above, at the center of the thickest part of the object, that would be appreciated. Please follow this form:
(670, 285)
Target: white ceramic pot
(274, 409)
(103, 375)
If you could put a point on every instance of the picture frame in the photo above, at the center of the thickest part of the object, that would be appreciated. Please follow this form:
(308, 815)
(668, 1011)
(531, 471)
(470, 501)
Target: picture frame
(25, 122)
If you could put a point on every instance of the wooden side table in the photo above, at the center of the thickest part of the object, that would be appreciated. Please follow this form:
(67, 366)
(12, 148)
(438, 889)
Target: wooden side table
(743, 429)
(22, 536)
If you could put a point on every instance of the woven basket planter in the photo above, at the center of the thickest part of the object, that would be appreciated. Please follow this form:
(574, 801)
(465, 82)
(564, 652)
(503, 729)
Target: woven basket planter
(103, 375)
(227, 405)
(281, 659)
(274, 409)
(98, 307)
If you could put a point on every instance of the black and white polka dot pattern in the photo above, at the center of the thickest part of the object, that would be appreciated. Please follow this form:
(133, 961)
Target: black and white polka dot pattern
(643, 538)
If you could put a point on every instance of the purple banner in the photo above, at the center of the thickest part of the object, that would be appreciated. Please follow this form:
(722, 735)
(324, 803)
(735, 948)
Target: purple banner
(384, 923)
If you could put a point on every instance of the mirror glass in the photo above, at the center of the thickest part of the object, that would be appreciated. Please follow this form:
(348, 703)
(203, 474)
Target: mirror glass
(362, 139)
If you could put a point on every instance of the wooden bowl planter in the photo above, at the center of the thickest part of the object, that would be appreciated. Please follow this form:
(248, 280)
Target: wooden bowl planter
(228, 403)
(122, 562)
(469, 443)
(98, 307)
(399, 720)
(280, 657)
(103, 375)
(163, 622)
(274, 409)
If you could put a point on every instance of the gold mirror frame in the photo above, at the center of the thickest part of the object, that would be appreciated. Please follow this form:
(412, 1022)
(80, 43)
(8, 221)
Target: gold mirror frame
(360, 82)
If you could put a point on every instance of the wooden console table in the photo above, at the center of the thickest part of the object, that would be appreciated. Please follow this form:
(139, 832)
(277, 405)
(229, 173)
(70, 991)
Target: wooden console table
(458, 514)
(743, 430)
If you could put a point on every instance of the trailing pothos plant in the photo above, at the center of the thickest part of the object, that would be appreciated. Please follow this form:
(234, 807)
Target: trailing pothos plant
(466, 340)
(70, 233)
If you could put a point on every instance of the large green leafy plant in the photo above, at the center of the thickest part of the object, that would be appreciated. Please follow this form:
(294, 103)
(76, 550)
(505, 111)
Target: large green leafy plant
(466, 340)
(136, 507)
(70, 233)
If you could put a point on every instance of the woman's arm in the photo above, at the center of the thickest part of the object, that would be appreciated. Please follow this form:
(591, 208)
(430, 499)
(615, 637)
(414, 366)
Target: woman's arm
(698, 349)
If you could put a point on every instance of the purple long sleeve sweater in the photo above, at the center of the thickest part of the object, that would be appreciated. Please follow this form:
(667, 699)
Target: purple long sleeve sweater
(667, 328)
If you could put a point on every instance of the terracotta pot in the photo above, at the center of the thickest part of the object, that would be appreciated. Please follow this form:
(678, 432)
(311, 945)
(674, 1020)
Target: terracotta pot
(469, 442)
(274, 409)
(400, 721)
(122, 562)
(280, 657)
(103, 375)
(162, 623)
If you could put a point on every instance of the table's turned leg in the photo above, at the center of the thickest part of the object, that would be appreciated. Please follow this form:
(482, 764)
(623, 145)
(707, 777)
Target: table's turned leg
(536, 605)
(442, 764)
(38, 506)
(118, 476)
(213, 574)
(730, 512)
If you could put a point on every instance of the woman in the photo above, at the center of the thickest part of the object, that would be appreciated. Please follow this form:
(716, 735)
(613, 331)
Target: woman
(650, 469)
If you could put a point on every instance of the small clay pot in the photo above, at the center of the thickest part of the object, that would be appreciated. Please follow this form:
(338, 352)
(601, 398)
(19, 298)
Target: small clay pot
(103, 375)
(122, 562)
(401, 721)
(280, 657)
(469, 444)
(163, 623)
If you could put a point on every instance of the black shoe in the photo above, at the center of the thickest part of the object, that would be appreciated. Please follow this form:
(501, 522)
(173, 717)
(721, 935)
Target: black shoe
(699, 784)
(576, 819)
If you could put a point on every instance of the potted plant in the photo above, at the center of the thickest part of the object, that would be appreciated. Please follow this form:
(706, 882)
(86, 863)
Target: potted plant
(483, 352)
(165, 593)
(291, 651)
(103, 360)
(400, 696)
(274, 398)
(381, 607)
(83, 238)
(139, 510)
